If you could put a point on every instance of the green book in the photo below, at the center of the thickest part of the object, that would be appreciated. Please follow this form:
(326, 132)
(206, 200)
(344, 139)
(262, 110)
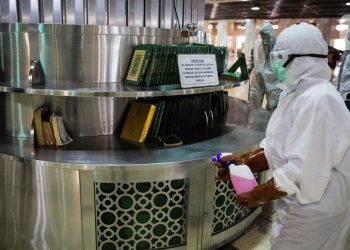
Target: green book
(156, 117)
(161, 68)
(153, 65)
(138, 64)
(159, 119)
(166, 69)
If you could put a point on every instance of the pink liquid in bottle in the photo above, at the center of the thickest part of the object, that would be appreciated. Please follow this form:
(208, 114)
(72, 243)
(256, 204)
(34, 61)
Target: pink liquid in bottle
(242, 178)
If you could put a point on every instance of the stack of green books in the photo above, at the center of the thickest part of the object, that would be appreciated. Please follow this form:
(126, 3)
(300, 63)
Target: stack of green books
(174, 115)
(154, 65)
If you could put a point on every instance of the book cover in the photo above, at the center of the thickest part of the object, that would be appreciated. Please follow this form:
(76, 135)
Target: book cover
(139, 63)
(152, 69)
(138, 122)
(38, 125)
(59, 131)
(49, 138)
(159, 121)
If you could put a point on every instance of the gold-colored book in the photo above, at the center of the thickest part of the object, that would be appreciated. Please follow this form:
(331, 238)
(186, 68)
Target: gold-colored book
(49, 138)
(59, 131)
(38, 125)
(138, 122)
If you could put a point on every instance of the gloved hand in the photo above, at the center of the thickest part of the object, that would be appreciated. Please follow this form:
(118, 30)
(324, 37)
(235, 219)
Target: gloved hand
(261, 195)
(255, 160)
(223, 172)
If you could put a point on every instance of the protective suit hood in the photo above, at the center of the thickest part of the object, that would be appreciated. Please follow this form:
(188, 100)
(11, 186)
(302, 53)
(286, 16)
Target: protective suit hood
(344, 71)
(304, 38)
(267, 34)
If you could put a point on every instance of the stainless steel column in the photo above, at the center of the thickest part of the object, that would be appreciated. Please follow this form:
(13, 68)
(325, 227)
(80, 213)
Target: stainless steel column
(152, 13)
(97, 12)
(117, 12)
(180, 11)
(139, 13)
(195, 11)
(28, 11)
(74, 12)
(8, 11)
(136, 13)
(187, 14)
(166, 14)
(51, 11)
(200, 18)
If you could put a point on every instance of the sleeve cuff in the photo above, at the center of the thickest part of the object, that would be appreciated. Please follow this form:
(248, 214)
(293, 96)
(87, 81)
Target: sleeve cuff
(283, 183)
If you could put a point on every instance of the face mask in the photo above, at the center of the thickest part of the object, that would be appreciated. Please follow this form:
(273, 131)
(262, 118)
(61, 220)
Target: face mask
(280, 71)
(281, 59)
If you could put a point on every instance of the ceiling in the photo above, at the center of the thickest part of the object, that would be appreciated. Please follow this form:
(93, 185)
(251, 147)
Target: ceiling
(271, 9)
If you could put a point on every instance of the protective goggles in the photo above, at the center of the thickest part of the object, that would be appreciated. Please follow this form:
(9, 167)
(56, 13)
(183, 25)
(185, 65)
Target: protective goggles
(281, 59)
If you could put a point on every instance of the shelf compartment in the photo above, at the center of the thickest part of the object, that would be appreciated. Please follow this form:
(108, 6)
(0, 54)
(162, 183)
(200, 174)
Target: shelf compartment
(108, 152)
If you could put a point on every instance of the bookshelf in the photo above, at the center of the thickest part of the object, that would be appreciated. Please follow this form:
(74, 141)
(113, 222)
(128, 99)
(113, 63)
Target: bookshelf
(112, 89)
(99, 191)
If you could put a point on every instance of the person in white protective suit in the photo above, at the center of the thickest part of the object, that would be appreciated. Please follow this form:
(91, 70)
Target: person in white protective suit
(262, 78)
(306, 148)
(344, 73)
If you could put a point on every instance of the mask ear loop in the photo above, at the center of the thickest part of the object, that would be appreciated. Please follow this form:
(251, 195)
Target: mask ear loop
(291, 57)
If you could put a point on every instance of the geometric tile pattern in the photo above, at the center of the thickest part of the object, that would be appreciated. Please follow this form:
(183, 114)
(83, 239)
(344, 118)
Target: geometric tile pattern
(227, 211)
(143, 215)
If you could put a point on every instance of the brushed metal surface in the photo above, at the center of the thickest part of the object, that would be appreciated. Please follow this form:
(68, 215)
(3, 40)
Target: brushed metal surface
(16, 114)
(87, 194)
(109, 152)
(51, 11)
(187, 14)
(152, 13)
(202, 37)
(166, 14)
(15, 55)
(136, 13)
(180, 10)
(112, 89)
(88, 116)
(28, 11)
(103, 151)
(74, 11)
(96, 12)
(194, 15)
(117, 12)
(93, 53)
(8, 10)
(40, 207)
(200, 19)
(81, 113)
(19, 45)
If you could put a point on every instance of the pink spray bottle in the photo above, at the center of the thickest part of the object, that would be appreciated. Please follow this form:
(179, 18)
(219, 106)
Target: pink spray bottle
(241, 176)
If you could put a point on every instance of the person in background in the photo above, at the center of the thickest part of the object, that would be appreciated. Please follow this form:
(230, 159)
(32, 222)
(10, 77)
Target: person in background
(307, 149)
(262, 78)
(344, 73)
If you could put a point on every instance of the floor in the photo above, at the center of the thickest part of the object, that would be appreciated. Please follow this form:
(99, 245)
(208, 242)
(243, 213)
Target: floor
(257, 237)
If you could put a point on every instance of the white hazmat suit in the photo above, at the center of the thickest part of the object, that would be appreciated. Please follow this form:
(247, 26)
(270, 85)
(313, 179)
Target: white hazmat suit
(307, 149)
(262, 78)
(344, 73)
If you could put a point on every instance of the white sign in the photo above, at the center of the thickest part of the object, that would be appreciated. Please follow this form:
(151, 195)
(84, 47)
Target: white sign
(197, 70)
